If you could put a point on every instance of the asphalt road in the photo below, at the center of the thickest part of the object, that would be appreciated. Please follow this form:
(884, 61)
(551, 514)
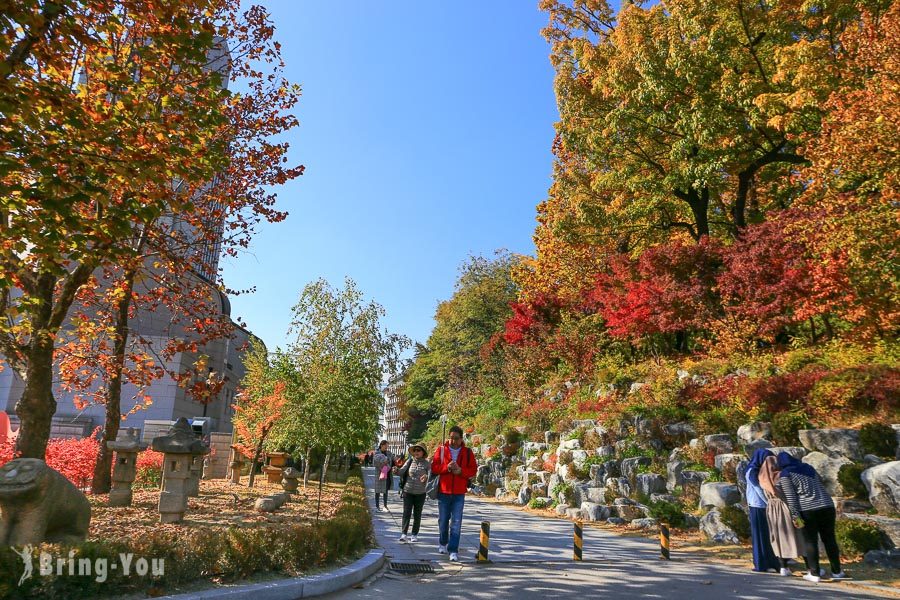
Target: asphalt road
(531, 557)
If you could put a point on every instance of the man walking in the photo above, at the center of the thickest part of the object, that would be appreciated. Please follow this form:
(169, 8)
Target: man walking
(456, 465)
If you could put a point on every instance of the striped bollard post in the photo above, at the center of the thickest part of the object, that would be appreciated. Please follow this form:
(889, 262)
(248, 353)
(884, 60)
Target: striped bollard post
(484, 542)
(579, 539)
(664, 541)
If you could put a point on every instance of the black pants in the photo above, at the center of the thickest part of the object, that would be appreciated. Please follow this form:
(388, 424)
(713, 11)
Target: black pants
(378, 496)
(820, 523)
(412, 504)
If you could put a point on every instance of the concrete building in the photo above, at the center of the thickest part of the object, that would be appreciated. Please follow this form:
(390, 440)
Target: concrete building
(395, 429)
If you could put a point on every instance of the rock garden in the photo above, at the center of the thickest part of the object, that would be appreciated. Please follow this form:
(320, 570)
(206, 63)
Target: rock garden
(644, 471)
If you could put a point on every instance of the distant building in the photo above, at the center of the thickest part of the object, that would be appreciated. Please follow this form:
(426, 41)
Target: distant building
(395, 430)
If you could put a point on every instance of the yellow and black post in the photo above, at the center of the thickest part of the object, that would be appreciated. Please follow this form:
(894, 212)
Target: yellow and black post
(484, 542)
(579, 539)
(664, 541)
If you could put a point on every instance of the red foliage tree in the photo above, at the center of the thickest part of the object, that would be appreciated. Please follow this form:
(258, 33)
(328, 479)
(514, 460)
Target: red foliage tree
(254, 418)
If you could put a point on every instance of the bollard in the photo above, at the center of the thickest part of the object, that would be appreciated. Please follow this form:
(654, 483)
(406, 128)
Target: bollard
(664, 541)
(579, 542)
(484, 542)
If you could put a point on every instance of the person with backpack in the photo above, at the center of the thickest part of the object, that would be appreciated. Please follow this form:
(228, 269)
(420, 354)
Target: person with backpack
(455, 464)
(383, 461)
(413, 479)
(813, 512)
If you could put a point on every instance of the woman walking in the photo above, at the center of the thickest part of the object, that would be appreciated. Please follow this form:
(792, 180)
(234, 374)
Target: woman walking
(383, 461)
(415, 473)
(812, 510)
(764, 558)
(786, 539)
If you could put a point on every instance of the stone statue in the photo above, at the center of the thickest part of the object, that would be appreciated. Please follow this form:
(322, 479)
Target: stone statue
(40, 505)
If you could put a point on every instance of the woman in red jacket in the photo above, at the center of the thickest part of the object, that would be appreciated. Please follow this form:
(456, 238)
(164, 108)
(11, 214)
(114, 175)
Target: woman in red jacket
(455, 463)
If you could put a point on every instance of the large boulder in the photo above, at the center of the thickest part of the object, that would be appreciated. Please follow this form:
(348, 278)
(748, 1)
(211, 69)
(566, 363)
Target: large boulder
(592, 511)
(755, 445)
(629, 512)
(883, 483)
(618, 486)
(524, 495)
(795, 451)
(580, 493)
(674, 467)
(598, 474)
(758, 430)
(645, 523)
(606, 451)
(682, 430)
(827, 468)
(579, 457)
(728, 462)
(596, 494)
(630, 466)
(613, 468)
(568, 445)
(712, 526)
(483, 473)
(719, 495)
(535, 463)
(834, 442)
(649, 483)
(719, 443)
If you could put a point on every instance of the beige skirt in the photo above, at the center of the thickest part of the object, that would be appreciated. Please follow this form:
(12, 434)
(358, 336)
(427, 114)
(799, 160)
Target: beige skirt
(785, 538)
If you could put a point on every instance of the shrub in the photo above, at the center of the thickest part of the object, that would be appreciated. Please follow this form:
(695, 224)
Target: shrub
(667, 512)
(538, 503)
(858, 537)
(563, 489)
(514, 486)
(785, 426)
(737, 520)
(849, 476)
(149, 469)
(879, 439)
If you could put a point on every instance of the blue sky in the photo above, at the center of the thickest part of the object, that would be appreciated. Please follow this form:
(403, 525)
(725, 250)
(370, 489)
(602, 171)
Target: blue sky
(425, 131)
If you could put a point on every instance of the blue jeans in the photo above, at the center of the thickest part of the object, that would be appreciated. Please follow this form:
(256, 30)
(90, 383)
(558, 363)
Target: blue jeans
(450, 510)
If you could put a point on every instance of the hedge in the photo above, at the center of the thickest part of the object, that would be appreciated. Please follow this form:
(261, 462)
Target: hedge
(197, 554)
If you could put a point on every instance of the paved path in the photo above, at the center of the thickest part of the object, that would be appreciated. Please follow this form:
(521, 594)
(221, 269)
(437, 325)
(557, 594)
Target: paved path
(532, 558)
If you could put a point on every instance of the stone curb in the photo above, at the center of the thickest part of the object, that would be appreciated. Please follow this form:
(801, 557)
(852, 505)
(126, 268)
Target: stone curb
(297, 587)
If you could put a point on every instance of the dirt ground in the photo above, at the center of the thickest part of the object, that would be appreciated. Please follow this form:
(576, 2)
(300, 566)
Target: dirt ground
(735, 555)
(221, 504)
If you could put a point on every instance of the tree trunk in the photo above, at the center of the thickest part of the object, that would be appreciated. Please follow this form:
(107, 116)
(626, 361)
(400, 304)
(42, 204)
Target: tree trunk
(306, 466)
(102, 480)
(253, 464)
(325, 464)
(37, 405)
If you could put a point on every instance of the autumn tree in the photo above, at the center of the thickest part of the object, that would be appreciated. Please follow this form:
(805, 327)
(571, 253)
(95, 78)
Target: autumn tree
(259, 406)
(115, 120)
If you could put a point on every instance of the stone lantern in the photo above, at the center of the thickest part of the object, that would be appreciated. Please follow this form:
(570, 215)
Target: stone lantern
(235, 465)
(290, 479)
(179, 446)
(124, 470)
(196, 473)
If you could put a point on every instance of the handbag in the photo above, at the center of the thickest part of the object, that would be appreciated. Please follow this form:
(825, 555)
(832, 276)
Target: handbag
(433, 487)
(384, 472)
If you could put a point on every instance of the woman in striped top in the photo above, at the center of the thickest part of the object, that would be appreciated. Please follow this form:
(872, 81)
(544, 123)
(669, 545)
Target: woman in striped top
(813, 510)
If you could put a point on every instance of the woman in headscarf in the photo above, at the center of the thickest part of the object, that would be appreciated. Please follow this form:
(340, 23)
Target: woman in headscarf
(786, 539)
(764, 558)
(812, 509)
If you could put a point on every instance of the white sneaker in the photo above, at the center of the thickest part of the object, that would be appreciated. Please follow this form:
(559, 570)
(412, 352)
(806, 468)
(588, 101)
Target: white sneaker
(785, 572)
(442, 549)
(402, 537)
(839, 575)
(413, 538)
(454, 557)
(813, 578)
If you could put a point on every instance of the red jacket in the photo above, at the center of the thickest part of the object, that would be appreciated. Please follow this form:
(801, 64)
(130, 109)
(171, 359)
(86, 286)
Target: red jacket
(450, 483)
